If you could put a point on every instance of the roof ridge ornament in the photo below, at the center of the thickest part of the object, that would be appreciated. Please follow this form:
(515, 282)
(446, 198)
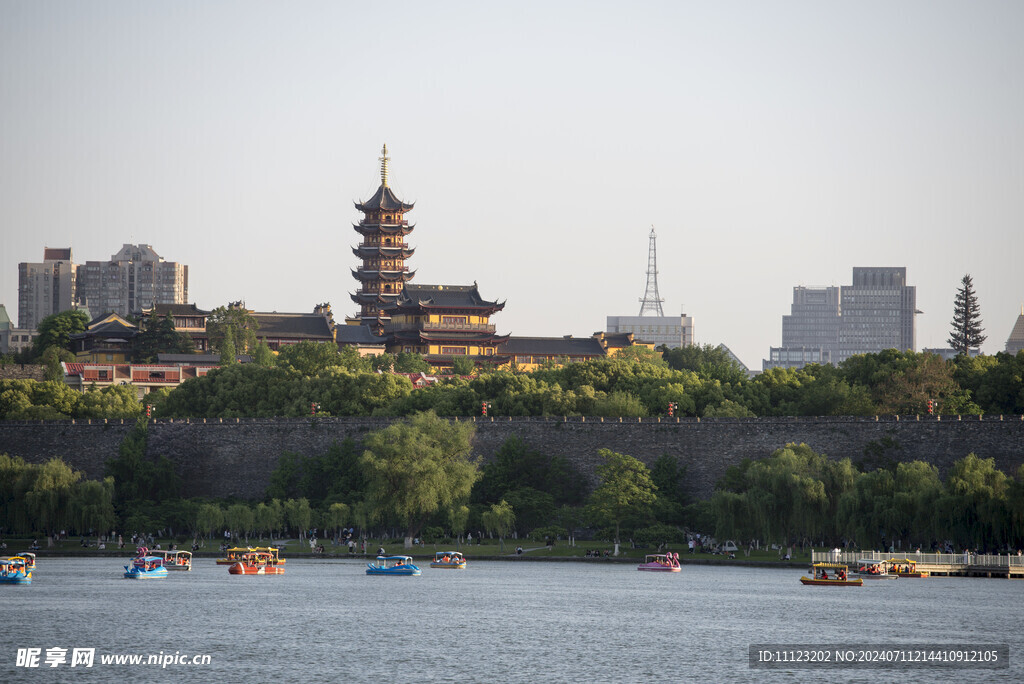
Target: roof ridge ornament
(384, 159)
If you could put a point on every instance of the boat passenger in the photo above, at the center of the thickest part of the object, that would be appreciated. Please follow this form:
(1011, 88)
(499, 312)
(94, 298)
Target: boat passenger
(824, 574)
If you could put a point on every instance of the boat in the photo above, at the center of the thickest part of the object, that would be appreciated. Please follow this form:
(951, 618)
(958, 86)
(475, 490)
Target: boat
(392, 565)
(15, 570)
(175, 560)
(30, 559)
(831, 575)
(145, 567)
(274, 552)
(874, 570)
(660, 562)
(904, 567)
(234, 555)
(256, 563)
(449, 559)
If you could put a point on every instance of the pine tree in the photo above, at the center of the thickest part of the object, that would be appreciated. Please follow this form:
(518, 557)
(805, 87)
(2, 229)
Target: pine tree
(966, 332)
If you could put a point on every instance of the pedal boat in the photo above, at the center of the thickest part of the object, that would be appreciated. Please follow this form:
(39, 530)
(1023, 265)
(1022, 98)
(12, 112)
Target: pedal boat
(15, 570)
(175, 560)
(828, 575)
(449, 559)
(392, 565)
(660, 562)
(874, 570)
(256, 563)
(145, 567)
(29, 558)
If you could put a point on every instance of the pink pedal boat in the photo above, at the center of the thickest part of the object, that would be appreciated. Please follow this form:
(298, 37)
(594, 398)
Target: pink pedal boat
(660, 562)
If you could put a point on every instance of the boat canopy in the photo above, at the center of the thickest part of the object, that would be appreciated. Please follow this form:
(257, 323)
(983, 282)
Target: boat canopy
(837, 566)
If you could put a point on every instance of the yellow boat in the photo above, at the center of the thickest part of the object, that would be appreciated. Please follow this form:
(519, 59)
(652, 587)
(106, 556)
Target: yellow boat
(904, 567)
(831, 575)
(234, 555)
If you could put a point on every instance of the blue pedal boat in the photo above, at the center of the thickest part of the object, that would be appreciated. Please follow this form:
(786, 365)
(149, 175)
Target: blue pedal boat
(145, 567)
(15, 570)
(392, 565)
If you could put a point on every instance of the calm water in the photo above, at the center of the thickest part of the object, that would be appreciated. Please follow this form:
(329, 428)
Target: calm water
(495, 622)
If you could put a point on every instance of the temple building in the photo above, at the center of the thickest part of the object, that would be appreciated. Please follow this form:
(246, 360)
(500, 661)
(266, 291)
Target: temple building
(444, 322)
(383, 252)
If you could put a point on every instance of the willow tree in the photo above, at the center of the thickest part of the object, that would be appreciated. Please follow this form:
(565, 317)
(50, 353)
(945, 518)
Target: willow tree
(626, 489)
(416, 467)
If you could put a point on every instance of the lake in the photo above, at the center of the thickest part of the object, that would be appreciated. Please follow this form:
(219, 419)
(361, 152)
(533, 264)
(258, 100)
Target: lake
(494, 622)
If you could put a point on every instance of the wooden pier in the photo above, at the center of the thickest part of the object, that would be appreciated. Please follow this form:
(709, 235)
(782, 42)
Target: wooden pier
(936, 564)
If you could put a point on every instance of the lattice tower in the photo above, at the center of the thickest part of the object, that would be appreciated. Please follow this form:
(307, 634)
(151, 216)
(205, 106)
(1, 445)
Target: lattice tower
(651, 303)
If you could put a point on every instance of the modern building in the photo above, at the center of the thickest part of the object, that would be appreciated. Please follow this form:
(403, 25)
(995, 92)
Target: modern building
(671, 331)
(877, 312)
(135, 279)
(831, 324)
(1015, 342)
(47, 287)
(12, 339)
(442, 323)
(383, 252)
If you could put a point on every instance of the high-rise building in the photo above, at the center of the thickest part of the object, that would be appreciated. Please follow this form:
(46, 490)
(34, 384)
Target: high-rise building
(135, 279)
(831, 324)
(383, 251)
(877, 312)
(46, 288)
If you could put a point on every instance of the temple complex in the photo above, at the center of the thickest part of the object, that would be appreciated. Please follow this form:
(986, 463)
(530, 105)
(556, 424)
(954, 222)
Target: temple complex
(383, 252)
(443, 322)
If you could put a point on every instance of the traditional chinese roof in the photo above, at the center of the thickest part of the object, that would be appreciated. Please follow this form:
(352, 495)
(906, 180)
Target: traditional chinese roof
(386, 251)
(162, 310)
(293, 325)
(384, 200)
(358, 335)
(446, 297)
(392, 274)
(481, 338)
(553, 346)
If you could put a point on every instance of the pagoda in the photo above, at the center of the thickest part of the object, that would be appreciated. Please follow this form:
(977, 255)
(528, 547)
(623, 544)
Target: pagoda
(444, 322)
(383, 251)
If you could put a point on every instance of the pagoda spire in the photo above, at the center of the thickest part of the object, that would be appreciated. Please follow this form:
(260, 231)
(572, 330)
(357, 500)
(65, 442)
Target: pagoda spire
(384, 159)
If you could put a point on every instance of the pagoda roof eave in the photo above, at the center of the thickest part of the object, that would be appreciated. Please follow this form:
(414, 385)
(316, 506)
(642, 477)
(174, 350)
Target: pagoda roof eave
(384, 200)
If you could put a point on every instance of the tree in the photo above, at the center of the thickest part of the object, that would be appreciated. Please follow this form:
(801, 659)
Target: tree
(966, 332)
(626, 487)
(56, 330)
(499, 520)
(415, 467)
(463, 366)
(159, 336)
(235, 323)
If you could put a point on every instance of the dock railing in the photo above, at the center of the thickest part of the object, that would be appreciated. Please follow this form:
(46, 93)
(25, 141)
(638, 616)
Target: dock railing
(951, 559)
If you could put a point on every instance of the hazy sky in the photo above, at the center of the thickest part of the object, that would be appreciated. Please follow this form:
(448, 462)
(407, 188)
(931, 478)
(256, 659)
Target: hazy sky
(770, 144)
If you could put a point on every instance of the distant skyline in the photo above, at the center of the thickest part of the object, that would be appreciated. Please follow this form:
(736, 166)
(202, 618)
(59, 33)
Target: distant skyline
(769, 144)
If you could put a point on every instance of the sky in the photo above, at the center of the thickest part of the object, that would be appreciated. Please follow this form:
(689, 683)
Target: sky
(769, 144)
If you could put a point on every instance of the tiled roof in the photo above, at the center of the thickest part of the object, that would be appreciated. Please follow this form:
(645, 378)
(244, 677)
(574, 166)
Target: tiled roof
(357, 335)
(383, 199)
(292, 325)
(176, 310)
(444, 296)
(553, 346)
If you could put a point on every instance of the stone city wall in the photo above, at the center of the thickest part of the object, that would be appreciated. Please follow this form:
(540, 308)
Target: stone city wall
(236, 457)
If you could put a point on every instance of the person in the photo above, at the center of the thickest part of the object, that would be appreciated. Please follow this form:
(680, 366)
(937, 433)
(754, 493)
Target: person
(380, 551)
(824, 574)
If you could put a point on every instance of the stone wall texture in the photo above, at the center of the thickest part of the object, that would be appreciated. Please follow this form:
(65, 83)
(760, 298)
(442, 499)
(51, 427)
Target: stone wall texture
(236, 457)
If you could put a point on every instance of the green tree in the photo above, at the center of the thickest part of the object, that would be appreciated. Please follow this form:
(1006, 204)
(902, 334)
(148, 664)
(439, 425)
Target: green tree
(159, 336)
(416, 467)
(463, 366)
(209, 519)
(337, 514)
(965, 334)
(310, 358)
(626, 488)
(234, 323)
(56, 330)
(240, 519)
(500, 519)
